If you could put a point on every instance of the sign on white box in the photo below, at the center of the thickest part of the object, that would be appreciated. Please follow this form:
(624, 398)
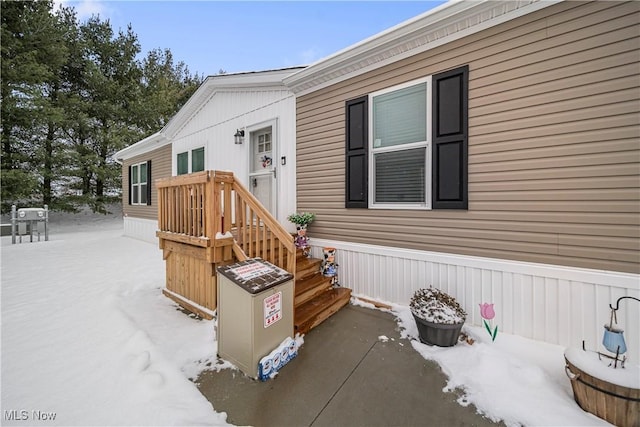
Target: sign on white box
(272, 309)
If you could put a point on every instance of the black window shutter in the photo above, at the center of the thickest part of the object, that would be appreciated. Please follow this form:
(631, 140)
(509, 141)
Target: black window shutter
(149, 183)
(130, 184)
(356, 148)
(450, 139)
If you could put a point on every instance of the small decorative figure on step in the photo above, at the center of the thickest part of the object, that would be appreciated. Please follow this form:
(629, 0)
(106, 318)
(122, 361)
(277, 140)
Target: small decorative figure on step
(302, 241)
(329, 266)
(302, 221)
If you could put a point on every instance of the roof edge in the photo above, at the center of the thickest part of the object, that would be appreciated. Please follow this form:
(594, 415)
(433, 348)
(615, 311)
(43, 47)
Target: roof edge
(244, 80)
(145, 145)
(446, 23)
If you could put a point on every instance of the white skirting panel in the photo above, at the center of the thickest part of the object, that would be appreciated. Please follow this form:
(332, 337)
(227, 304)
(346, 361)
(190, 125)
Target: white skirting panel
(556, 304)
(142, 229)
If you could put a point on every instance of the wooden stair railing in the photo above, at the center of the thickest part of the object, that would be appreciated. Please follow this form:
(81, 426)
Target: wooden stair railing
(256, 232)
(212, 209)
(208, 219)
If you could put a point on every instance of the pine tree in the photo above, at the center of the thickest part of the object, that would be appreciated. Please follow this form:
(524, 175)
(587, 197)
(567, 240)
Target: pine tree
(31, 48)
(72, 95)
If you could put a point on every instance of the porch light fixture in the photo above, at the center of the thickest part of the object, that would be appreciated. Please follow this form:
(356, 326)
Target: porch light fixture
(239, 136)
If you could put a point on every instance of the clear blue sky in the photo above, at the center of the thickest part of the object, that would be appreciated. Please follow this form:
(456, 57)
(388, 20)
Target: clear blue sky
(250, 36)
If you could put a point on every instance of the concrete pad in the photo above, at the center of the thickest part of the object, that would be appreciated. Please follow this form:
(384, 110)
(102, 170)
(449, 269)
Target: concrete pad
(343, 376)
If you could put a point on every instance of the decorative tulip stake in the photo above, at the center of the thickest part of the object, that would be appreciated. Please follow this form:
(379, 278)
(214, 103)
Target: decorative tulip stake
(487, 312)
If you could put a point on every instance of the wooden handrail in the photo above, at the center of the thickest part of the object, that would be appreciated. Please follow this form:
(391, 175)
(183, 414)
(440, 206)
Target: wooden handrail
(257, 232)
(203, 208)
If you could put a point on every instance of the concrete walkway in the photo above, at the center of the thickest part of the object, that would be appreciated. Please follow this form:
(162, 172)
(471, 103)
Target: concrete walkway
(344, 376)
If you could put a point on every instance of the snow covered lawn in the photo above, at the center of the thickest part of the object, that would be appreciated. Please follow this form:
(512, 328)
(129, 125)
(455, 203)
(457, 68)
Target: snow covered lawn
(88, 339)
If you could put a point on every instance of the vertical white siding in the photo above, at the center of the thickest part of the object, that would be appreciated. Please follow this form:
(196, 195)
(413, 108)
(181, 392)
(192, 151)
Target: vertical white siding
(141, 229)
(560, 305)
(215, 124)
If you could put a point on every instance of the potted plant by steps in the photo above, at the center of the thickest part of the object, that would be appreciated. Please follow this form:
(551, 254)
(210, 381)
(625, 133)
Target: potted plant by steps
(438, 316)
(302, 221)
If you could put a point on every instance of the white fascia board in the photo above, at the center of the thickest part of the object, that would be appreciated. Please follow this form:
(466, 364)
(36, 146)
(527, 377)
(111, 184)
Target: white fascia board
(236, 81)
(254, 78)
(444, 24)
(372, 43)
(145, 145)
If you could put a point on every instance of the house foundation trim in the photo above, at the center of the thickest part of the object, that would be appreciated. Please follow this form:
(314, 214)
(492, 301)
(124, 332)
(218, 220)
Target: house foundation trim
(557, 304)
(141, 229)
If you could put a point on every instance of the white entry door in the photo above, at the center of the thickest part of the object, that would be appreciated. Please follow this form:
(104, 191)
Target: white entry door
(262, 169)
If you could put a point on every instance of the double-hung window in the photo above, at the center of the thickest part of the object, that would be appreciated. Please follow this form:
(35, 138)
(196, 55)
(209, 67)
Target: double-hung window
(406, 146)
(139, 188)
(399, 129)
(190, 161)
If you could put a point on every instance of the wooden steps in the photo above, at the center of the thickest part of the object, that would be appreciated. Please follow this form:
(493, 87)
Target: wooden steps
(310, 287)
(307, 267)
(315, 298)
(318, 309)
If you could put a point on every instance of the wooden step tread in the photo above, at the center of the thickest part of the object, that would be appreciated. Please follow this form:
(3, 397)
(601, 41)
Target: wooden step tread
(306, 267)
(318, 309)
(308, 288)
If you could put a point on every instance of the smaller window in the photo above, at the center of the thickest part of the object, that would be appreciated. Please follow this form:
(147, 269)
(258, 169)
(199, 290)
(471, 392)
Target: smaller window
(139, 184)
(183, 163)
(197, 160)
(196, 164)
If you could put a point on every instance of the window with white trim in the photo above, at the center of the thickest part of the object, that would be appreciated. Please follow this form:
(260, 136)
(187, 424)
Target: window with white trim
(139, 188)
(190, 161)
(406, 147)
(197, 159)
(400, 146)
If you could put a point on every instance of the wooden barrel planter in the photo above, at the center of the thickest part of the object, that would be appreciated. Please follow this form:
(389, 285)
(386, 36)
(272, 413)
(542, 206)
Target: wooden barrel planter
(605, 396)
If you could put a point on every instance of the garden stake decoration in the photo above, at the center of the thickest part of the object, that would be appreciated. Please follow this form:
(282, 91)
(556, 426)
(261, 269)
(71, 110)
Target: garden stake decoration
(613, 339)
(487, 312)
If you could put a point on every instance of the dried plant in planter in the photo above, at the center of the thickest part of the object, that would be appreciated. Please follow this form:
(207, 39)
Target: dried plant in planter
(435, 306)
(438, 316)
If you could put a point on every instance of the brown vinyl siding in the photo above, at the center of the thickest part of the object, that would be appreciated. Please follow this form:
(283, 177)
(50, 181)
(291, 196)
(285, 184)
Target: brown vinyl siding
(160, 168)
(554, 144)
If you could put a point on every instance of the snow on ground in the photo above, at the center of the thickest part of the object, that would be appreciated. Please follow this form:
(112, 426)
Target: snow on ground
(88, 336)
(513, 379)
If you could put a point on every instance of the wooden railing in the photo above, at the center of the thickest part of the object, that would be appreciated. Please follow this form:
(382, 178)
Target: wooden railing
(211, 209)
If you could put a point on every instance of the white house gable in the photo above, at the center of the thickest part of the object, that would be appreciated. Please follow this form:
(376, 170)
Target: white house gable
(257, 104)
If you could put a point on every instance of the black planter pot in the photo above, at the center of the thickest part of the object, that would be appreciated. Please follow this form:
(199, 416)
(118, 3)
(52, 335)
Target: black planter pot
(440, 334)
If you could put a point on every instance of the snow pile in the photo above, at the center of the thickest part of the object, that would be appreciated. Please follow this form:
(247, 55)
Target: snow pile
(514, 379)
(88, 337)
(600, 367)
(436, 306)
